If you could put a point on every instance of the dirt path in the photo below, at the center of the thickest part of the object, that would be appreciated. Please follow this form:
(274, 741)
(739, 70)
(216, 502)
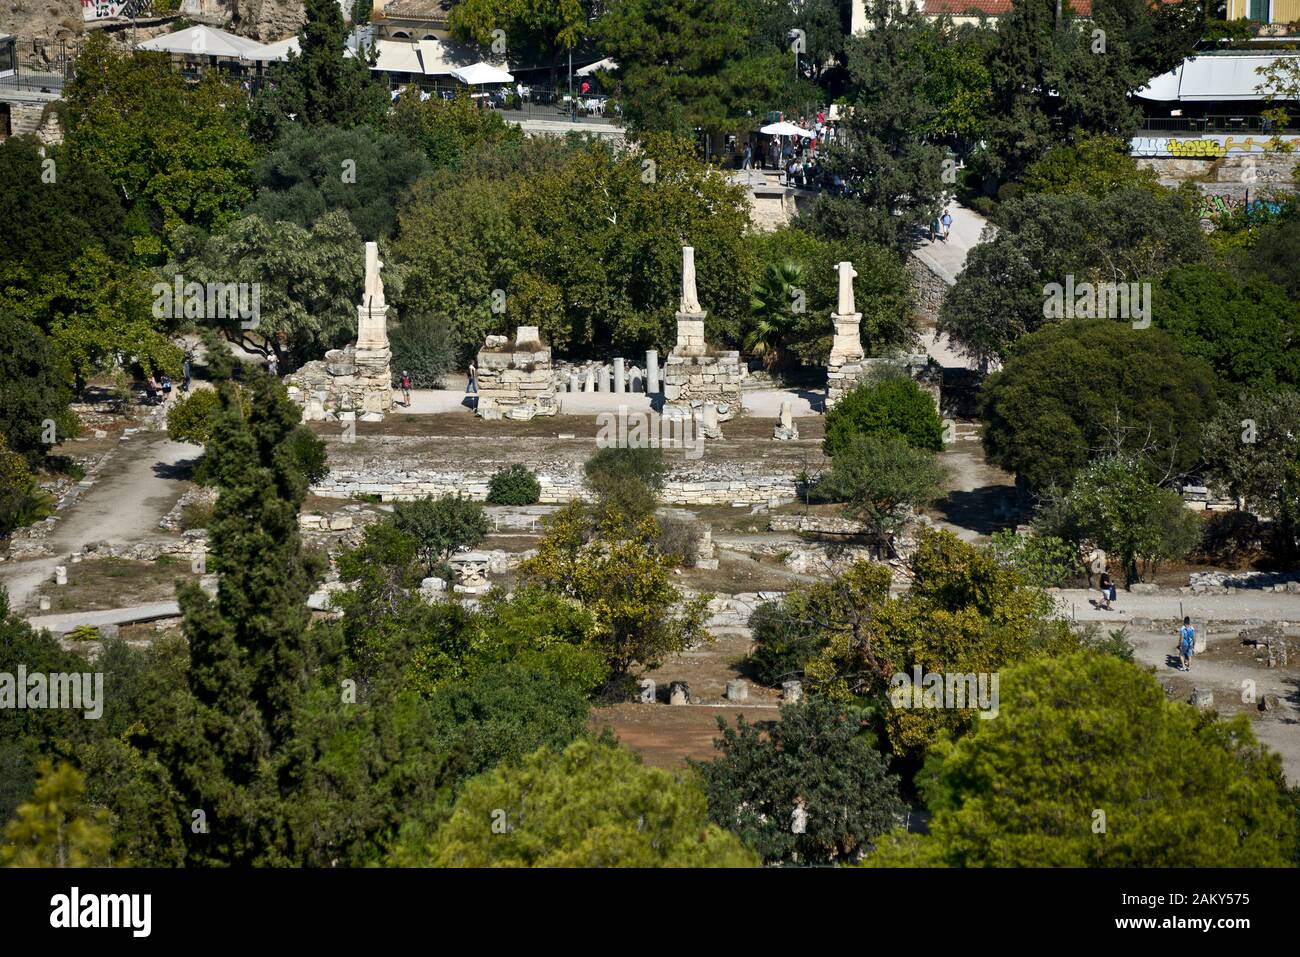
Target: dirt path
(980, 496)
(136, 489)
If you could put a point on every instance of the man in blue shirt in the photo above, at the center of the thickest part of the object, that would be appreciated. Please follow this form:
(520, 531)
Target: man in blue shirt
(1186, 644)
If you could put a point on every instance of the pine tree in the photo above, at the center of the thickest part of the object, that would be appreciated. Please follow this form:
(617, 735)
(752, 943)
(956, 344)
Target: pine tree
(55, 828)
(251, 648)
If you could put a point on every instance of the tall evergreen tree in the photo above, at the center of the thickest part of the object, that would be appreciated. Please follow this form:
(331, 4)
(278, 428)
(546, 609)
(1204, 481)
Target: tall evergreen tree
(322, 84)
(251, 647)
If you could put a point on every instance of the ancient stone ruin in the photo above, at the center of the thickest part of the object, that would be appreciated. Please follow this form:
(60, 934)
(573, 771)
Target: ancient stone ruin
(355, 381)
(515, 378)
(848, 364)
(697, 377)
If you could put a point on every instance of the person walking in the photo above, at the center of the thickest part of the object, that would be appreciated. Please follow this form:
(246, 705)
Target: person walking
(947, 224)
(185, 373)
(1107, 591)
(273, 365)
(406, 388)
(749, 157)
(1186, 644)
(472, 384)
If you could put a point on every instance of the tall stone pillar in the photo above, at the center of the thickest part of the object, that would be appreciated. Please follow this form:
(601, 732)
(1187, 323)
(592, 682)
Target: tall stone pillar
(651, 371)
(845, 365)
(620, 378)
(373, 356)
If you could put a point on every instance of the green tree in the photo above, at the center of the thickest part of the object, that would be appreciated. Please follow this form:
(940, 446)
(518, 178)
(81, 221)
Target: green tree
(252, 647)
(536, 31)
(448, 131)
(321, 85)
(55, 207)
(777, 299)
(690, 64)
(1078, 388)
(1095, 165)
(626, 481)
(966, 614)
(1249, 332)
(893, 405)
(1090, 765)
(883, 480)
(1116, 506)
(811, 790)
(34, 389)
(22, 501)
(307, 282)
(592, 805)
(1128, 236)
(55, 828)
(619, 577)
(181, 149)
(880, 148)
(440, 527)
(1252, 449)
(309, 172)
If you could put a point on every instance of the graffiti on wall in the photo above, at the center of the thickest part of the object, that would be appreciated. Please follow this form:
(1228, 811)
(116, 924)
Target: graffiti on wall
(1209, 147)
(1214, 205)
(102, 9)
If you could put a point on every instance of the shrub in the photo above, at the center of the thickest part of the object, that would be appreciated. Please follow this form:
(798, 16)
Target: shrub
(514, 485)
(1042, 560)
(784, 639)
(308, 454)
(626, 480)
(679, 537)
(896, 406)
(440, 527)
(196, 515)
(194, 417)
(424, 347)
(84, 633)
(22, 501)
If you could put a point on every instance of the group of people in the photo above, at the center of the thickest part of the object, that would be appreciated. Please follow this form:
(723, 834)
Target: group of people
(158, 388)
(1186, 646)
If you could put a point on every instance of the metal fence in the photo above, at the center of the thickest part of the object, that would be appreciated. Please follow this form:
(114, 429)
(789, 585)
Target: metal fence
(1223, 123)
(40, 68)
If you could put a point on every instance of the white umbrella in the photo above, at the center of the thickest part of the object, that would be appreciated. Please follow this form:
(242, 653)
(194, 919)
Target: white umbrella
(590, 68)
(480, 73)
(786, 129)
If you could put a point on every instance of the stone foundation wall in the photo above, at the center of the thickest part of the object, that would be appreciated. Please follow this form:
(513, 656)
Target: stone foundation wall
(556, 489)
(842, 379)
(344, 381)
(515, 379)
(691, 380)
(929, 287)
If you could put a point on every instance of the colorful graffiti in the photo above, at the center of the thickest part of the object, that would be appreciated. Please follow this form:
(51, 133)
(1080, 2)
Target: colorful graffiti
(1214, 205)
(1209, 147)
(103, 9)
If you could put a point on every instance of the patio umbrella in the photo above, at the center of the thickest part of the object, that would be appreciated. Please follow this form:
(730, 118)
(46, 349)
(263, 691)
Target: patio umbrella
(479, 73)
(786, 129)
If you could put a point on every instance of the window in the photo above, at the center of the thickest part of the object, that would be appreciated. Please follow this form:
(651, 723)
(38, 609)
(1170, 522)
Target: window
(8, 59)
(1259, 11)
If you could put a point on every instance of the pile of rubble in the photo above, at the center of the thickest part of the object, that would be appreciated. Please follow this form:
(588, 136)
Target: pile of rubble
(1227, 583)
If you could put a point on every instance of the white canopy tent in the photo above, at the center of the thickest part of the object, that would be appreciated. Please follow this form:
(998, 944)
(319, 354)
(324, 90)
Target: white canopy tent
(280, 50)
(1210, 77)
(478, 74)
(786, 129)
(206, 41)
(590, 68)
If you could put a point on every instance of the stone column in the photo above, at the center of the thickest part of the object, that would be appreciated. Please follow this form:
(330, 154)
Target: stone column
(635, 381)
(651, 371)
(709, 421)
(573, 382)
(620, 379)
(679, 693)
(785, 429)
(604, 378)
(589, 384)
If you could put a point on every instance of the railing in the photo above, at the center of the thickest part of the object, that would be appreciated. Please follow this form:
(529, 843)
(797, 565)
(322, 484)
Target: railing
(1216, 124)
(31, 73)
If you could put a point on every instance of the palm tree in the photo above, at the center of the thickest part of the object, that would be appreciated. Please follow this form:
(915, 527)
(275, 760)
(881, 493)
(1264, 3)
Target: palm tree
(773, 307)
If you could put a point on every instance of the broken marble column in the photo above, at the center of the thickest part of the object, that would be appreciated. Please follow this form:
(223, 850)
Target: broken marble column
(635, 382)
(646, 691)
(738, 690)
(679, 692)
(60, 574)
(652, 371)
(785, 429)
(604, 379)
(709, 426)
(620, 376)
(573, 382)
(792, 691)
(589, 384)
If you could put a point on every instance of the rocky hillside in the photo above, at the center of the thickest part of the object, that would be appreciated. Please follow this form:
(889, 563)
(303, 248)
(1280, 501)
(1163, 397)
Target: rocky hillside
(55, 21)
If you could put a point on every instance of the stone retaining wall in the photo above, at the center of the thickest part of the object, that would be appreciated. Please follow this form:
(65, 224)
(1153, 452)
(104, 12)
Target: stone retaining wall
(689, 490)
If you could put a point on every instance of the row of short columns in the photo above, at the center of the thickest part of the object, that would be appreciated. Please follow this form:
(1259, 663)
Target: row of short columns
(679, 692)
(619, 378)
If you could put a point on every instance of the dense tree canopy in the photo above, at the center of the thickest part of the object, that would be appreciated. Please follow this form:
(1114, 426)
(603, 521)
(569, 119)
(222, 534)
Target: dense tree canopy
(1090, 765)
(1075, 389)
